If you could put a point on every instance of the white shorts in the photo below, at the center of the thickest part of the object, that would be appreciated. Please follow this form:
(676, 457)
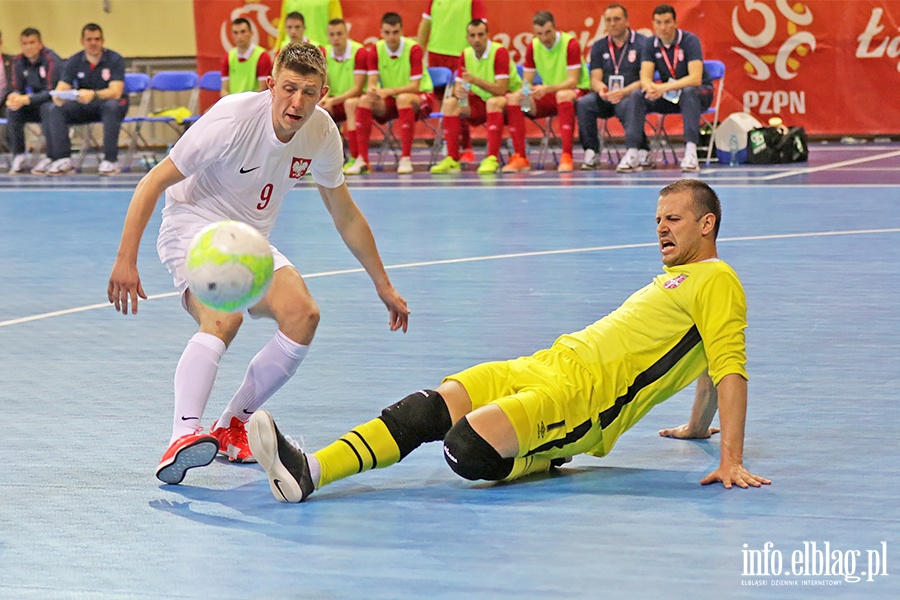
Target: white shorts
(175, 235)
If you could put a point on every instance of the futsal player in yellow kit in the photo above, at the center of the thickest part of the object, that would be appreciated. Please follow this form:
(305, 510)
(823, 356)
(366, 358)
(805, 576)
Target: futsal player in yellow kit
(503, 420)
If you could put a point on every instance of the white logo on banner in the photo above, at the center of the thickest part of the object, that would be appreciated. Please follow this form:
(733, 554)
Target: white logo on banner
(887, 46)
(784, 62)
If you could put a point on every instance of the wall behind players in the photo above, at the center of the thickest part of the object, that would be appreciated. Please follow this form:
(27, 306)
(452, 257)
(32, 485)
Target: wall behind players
(133, 28)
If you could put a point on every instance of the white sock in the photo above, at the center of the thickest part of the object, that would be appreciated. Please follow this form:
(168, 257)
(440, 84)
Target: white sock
(631, 154)
(315, 469)
(194, 378)
(690, 149)
(270, 369)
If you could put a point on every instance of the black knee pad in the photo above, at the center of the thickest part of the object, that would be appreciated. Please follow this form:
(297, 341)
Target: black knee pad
(471, 457)
(419, 418)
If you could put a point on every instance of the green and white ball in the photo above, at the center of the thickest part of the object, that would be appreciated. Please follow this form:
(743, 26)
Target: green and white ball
(229, 266)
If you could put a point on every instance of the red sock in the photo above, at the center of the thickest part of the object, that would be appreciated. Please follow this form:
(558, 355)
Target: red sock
(351, 142)
(516, 121)
(566, 124)
(465, 136)
(494, 132)
(407, 118)
(363, 131)
(451, 134)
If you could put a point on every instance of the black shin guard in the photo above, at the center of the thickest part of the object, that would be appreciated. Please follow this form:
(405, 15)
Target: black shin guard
(419, 418)
(471, 457)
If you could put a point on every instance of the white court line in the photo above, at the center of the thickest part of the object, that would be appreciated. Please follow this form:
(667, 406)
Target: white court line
(604, 185)
(452, 261)
(828, 167)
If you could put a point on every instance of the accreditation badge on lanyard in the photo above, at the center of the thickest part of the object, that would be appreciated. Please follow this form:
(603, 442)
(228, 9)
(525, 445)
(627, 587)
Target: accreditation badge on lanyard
(616, 82)
(673, 96)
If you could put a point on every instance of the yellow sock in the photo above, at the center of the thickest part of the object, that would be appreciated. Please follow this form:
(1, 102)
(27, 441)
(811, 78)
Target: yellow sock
(368, 446)
(527, 465)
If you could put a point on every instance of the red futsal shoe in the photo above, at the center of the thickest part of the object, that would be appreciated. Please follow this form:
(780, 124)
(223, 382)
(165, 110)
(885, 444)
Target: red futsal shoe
(189, 451)
(233, 441)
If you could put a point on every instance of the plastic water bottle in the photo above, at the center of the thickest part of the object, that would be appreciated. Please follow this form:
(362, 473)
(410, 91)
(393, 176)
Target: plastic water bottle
(526, 97)
(733, 150)
(464, 101)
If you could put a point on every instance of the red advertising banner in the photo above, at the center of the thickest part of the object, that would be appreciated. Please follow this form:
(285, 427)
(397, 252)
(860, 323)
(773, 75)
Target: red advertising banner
(831, 66)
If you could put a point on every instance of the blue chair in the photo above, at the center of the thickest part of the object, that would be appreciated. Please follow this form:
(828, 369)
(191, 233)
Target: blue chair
(173, 82)
(440, 77)
(164, 82)
(211, 81)
(136, 84)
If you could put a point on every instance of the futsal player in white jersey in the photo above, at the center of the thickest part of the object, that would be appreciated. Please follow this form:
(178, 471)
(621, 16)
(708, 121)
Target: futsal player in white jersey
(238, 162)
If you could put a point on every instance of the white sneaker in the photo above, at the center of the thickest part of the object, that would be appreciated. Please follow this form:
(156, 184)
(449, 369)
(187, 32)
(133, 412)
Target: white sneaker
(18, 164)
(41, 167)
(590, 160)
(644, 159)
(108, 167)
(405, 166)
(359, 167)
(63, 166)
(629, 163)
(690, 163)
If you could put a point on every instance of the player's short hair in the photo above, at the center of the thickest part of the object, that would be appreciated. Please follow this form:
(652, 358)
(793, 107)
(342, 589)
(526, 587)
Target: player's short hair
(619, 6)
(542, 17)
(337, 22)
(392, 18)
(91, 27)
(30, 31)
(477, 22)
(665, 9)
(295, 16)
(705, 198)
(302, 58)
(242, 21)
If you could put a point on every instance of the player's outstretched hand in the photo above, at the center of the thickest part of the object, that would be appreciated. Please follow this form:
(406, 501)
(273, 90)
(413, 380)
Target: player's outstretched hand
(396, 306)
(735, 475)
(684, 433)
(125, 283)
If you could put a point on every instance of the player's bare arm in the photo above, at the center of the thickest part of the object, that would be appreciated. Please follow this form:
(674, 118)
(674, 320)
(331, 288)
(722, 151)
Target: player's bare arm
(355, 231)
(706, 402)
(732, 394)
(124, 281)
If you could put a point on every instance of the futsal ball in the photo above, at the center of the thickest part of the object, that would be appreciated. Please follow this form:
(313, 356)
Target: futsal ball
(229, 266)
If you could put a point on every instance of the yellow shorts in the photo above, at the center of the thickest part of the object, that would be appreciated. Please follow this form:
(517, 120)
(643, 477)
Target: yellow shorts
(547, 398)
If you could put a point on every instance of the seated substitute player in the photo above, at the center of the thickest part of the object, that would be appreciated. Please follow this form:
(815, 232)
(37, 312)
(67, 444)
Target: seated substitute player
(486, 67)
(556, 57)
(442, 35)
(246, 66)
(347, 64)
(238, 162)
(399, 88)
(686, 86)
(35, 72)
(616, 86)
(504, 420)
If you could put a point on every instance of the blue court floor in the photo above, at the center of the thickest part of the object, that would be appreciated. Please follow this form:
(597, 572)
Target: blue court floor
(492, 268)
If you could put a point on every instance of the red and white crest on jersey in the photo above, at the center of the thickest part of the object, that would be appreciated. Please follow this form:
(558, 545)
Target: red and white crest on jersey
(675, 282)
(105, 74)
(632, 55)
(299, 166)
